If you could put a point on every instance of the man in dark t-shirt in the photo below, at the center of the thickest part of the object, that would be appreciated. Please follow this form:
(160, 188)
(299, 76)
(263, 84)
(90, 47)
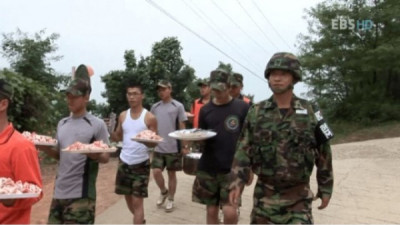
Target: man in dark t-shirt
(225, 116)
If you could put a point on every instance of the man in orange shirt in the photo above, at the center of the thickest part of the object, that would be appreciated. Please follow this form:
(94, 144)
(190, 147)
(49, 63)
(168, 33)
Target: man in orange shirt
(236, 86)
(18, 161)
(205, 93)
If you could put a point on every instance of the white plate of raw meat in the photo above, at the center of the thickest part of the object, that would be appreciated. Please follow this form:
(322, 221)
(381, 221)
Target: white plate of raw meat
(14, 190)
(147, 136)
(17, 196)
(192, 134)
(95, 147)
(39, 140)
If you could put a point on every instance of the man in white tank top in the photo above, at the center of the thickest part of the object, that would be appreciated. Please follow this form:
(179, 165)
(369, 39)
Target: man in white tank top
(134, 166)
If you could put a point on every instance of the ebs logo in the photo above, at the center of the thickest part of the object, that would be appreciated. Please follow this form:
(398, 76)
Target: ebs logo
(344, 23)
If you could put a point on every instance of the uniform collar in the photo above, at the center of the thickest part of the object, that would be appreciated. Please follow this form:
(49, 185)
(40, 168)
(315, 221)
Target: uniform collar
(295, 103)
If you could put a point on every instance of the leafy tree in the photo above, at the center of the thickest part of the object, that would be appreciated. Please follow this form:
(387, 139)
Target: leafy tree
(165, 62)
(29, 55)
(115, 91)
(101, 110)
(354, 73)
(34, 108)
(38, 104)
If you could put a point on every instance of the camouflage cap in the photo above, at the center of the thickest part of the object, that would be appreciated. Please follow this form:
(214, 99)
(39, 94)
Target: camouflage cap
(236, 79)
(79, 87)
(83, 73)
(219, 79)
(205, 81)
(6, 89)
(164, 84)
(284, 61)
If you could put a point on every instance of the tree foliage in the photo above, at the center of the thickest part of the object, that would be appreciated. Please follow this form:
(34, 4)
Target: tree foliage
(101, 110)
(164, 63)
(37, 104)
(29, 56)
(33, 108)
(354, 73)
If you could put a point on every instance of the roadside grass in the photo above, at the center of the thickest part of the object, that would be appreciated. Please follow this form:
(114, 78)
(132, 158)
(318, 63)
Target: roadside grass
(352, 132)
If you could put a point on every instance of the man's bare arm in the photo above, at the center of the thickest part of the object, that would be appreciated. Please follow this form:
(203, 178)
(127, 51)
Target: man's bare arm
(117, 134)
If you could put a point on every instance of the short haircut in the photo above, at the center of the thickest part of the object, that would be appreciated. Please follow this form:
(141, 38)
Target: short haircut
(134, 85)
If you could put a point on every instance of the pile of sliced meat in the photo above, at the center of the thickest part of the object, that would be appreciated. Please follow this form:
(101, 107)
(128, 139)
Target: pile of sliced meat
(38, 139)
(191, 133)
(148, 135)
(97, 145)
(8, 186)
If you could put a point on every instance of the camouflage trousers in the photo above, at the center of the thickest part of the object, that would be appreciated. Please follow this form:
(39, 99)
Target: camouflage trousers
(171, 161)
(76, 211)
(211, 189)
(273, 205)
(133, 179)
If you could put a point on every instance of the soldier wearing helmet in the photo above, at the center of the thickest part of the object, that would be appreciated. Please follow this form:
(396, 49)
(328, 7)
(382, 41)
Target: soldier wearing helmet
(282, 139)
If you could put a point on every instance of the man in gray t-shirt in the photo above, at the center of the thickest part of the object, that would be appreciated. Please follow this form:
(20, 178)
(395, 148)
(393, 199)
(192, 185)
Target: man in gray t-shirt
(170, 116)
(74, 198)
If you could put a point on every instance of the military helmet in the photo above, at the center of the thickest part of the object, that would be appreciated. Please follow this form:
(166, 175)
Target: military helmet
(284, 61)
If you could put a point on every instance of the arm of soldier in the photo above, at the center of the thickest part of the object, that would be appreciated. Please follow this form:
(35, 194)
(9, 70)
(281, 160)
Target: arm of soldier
(190, 117)
(117, 134)
(185, 144)
(103, 157)
(241, 173)
(182, 119)
(324, 174)
(102, 134)
(151, 123)
(51, 151)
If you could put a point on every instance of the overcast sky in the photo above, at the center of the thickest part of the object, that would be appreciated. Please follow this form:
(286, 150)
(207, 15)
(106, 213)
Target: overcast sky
(97, 32)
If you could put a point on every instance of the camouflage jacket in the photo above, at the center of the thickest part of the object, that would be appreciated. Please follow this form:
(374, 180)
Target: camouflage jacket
(282, 151)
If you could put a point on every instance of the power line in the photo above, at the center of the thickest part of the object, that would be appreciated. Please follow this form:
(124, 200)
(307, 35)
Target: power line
(240, 28)
(217, 30)
(205, 40)
(276, 31)
(261, 30)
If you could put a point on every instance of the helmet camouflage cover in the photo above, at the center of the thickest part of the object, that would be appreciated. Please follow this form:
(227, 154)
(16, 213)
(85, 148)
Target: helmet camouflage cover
(284, 61)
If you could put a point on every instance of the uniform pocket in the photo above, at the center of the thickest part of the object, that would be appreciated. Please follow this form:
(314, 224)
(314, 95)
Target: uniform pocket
(265, 157)
(302, 152)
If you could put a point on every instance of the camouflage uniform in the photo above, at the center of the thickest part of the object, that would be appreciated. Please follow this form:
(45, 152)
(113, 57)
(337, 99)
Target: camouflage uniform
(282, 151)
(133, 179)
(211, 186)
(171, 161)
(76, 211)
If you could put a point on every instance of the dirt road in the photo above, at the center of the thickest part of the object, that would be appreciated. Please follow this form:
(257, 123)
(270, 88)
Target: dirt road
(367, 184)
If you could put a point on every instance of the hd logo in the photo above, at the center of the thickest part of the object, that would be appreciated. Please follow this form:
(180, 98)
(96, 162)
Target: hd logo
(345, 23)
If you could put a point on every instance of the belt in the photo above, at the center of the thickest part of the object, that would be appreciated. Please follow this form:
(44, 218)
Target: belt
(133, 166)
(281, 184)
